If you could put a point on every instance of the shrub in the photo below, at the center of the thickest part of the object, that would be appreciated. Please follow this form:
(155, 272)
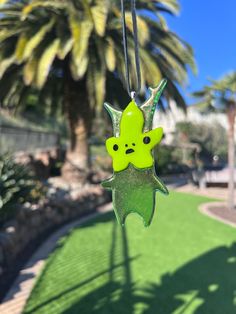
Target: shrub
(212, 138)
(17, 186)
(168, 160)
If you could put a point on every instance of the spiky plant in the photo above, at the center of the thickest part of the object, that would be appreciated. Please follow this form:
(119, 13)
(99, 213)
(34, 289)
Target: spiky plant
(17, 186)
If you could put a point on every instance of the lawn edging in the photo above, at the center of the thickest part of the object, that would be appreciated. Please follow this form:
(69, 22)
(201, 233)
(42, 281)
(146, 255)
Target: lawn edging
(205, 210)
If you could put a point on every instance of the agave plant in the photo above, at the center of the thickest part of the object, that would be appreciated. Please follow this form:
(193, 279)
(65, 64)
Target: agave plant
(17, 185)
(77, 45)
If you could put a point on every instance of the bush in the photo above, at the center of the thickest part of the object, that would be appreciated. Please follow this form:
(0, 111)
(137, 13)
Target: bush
(17, 186)
(168, 160)
(212, 138)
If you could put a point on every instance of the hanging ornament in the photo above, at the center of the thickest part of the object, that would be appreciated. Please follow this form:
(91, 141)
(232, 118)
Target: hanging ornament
(134, 182)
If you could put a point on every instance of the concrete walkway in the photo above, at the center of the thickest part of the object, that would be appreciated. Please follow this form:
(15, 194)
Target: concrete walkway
(217, 193)
(17, 296)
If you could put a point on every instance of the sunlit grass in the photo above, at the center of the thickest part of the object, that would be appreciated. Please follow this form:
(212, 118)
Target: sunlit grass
(183, 263)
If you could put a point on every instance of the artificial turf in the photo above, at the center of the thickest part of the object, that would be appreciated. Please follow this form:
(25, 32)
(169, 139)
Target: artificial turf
(183, 263)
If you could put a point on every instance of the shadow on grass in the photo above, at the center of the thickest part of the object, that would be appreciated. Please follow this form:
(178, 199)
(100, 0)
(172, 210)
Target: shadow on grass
(205, 285)
(108, 298)
(113, 266)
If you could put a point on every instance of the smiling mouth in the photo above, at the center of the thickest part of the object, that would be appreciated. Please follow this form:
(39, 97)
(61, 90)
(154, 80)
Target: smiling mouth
(129, 151)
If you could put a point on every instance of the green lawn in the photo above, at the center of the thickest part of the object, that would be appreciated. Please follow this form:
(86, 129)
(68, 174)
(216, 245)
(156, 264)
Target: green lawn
(184, 263)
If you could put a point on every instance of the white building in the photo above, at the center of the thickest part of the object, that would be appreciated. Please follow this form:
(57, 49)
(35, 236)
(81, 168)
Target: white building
(168, 120)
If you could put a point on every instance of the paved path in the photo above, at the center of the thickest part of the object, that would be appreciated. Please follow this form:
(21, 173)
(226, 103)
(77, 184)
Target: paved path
(16, 298)
(217, 193)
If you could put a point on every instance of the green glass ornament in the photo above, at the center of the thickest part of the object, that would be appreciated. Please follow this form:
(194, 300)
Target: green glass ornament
(134, 182)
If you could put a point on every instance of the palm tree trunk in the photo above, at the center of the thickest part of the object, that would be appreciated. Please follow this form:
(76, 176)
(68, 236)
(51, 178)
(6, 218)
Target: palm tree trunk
(79, 114)
(231, 152)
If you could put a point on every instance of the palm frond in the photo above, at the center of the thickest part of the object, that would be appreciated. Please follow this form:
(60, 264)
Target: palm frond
(5, 64)
(99, 13)
(30, 70)
(218, 95)
(45, 38)
(20, 47)
(110, 56)
(35, 4)
(37, 38)
(45, 63)
(81, 32)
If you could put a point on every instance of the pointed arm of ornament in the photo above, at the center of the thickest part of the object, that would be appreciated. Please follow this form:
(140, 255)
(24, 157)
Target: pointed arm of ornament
(149, 106)
(115, 117)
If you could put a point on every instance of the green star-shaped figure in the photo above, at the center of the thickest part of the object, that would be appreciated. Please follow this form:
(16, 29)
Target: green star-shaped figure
(134, 182)
(133, 146)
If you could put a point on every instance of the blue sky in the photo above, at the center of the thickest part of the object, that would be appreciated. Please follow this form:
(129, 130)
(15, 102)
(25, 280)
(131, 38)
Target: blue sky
(210, 27)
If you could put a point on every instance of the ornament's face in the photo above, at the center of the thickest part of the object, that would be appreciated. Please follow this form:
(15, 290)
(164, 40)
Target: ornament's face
(133, 146)
(134, 182)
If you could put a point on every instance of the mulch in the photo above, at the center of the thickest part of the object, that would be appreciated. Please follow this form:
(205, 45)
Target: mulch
(222, 212)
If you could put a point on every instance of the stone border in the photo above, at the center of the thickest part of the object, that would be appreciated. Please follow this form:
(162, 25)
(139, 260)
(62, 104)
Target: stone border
(204, 209)
(17, 296)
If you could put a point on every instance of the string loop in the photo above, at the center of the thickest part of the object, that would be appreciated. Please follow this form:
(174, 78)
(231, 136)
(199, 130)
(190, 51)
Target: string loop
(136, 48)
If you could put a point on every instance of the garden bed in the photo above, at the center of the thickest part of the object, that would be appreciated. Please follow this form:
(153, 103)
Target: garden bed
(220, 211)
(21, 236)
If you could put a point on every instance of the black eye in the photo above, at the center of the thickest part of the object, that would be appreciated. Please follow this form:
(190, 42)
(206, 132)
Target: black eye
(133, 144)
(126, 145)
(115, 147)
(146, 140)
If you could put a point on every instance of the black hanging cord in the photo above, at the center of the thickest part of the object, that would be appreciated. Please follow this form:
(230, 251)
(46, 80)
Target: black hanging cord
(136, 48)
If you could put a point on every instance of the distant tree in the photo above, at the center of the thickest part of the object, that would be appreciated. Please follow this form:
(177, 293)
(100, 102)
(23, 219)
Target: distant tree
(211, 138)
(73, 50)
(221, 96)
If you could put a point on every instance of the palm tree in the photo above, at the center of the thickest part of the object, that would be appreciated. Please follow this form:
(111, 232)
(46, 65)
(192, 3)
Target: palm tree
(77, 45)
(221, 96)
